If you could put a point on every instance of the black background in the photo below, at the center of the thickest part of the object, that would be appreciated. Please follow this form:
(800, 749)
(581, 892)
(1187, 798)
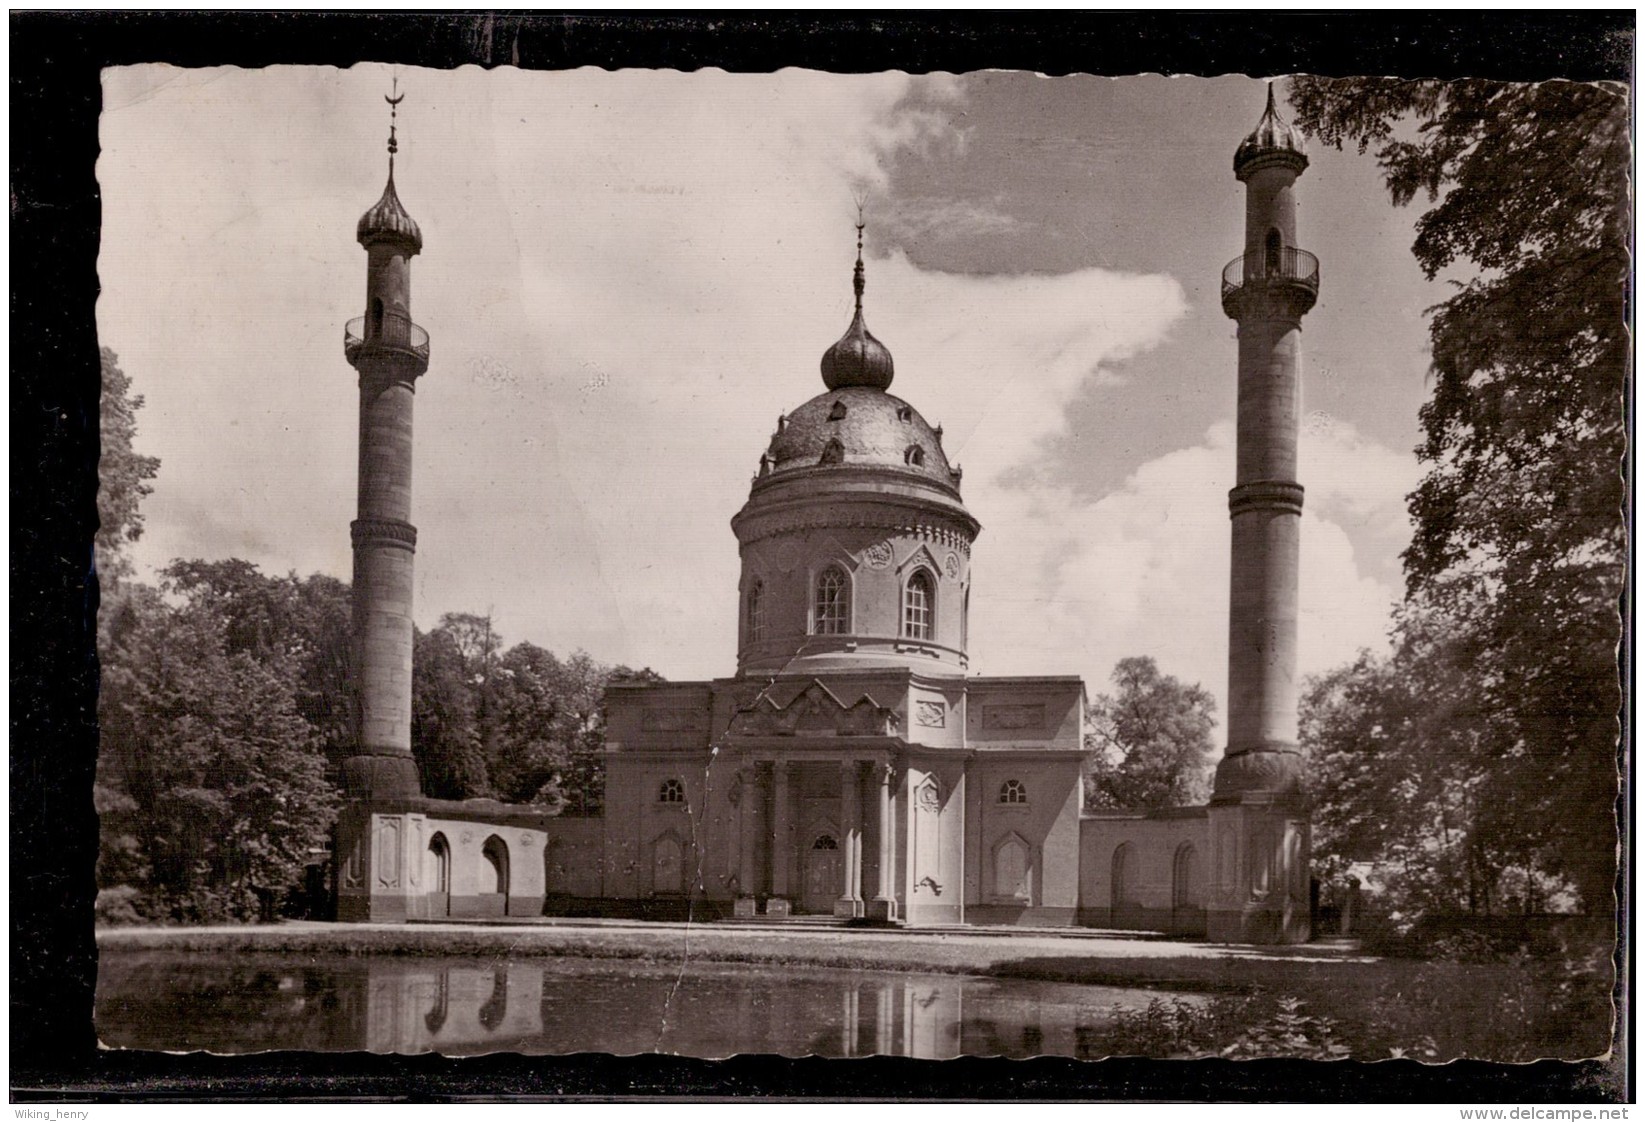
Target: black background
(55, 100)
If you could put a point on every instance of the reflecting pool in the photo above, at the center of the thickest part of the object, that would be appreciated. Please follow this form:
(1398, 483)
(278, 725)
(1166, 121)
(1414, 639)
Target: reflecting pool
(171, 1001)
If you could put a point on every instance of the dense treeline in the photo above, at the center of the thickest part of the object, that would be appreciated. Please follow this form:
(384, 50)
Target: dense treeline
(224, 713)
(520, 725)
(1475, 768)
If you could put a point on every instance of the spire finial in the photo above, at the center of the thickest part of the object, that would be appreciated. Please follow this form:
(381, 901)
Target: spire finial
(393, 114)
(1270, 98)
(857, 282)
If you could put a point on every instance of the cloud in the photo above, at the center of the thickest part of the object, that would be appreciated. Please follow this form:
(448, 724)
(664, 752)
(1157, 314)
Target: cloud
(1144, 569)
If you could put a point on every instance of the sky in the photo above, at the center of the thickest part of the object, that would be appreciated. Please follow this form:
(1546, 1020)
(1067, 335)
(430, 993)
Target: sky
(627, 276)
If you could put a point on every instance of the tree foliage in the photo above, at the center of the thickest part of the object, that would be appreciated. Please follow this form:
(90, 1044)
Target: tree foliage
(521, 725)
(1150, 741)
(1519, 537)
(122, 474)
(211, 784)
(445, 732)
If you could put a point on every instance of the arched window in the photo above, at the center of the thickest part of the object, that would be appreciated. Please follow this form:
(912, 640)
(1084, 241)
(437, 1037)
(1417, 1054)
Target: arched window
(914, 456)
(439, 860)
(833, 453)
(672, 791)
(667, 865)
(1012, 791)
(1271, 254)
(837, 413)
(495, 852)
(376, 317)
(756, 612)
(1121, 889)
(965, 620)
(1187, 888)
(918, 603)
(831, 612)
(1013, 869)
(825, 842)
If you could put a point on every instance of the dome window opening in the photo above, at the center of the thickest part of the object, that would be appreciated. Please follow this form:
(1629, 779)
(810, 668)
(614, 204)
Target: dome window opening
(914, 457)
(833, 453)
(917, 601)
(756, 612)
(831, 613)
(838, 412)
(905, 413)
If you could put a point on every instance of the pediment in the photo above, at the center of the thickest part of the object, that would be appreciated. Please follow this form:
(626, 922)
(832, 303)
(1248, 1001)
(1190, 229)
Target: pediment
(815, 711)
(922, 556)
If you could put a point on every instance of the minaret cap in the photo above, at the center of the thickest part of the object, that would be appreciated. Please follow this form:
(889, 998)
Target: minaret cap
(387, 220)
(857, 358)
(1273, 141)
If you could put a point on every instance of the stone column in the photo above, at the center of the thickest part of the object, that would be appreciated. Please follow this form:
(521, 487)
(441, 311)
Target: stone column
(884, 905)
(748, 801)
(850, 900)
(782, 842)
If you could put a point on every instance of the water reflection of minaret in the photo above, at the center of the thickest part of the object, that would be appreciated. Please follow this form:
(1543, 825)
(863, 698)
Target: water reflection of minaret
(415, 1008)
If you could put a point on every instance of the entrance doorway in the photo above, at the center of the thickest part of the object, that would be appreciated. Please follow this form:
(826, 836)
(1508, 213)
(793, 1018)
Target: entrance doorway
(823, 875)
(439, 876)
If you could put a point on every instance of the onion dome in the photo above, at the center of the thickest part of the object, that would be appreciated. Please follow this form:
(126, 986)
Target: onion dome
(387, 220)
(857, 359)
(1272, 141)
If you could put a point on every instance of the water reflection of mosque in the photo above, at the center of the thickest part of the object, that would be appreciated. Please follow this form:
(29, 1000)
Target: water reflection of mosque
(525, 1007)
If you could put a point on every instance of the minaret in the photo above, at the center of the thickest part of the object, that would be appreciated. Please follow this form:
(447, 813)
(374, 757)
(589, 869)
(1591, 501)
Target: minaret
(1259, 810)
(389, 352)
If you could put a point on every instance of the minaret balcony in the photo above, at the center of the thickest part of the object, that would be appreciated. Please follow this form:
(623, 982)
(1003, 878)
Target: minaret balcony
(391, 335)
(1290, 276)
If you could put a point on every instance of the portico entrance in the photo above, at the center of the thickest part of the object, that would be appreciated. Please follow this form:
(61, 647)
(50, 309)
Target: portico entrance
(823, 874)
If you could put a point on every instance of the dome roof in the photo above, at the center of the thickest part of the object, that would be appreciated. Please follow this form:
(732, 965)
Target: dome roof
(387, 220)
(856, 427)
(1272, 136)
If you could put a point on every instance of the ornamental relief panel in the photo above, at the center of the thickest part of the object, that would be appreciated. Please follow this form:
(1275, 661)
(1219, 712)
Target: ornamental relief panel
(786, 555)
(932, 715)
(1009, 717)
(657, 720)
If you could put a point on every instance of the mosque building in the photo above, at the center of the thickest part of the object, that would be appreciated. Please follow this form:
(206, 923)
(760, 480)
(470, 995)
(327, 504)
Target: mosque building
(852, 767)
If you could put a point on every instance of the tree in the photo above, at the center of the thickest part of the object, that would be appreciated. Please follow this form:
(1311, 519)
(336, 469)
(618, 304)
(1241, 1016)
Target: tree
(298, 627)
(211, 786)
(1519, 533)
(1150, 741)
(122, 475)
(445, 731)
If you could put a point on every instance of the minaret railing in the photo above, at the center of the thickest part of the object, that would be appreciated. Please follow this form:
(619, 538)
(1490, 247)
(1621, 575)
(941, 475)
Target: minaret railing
(1285, 265)
(394, 333)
